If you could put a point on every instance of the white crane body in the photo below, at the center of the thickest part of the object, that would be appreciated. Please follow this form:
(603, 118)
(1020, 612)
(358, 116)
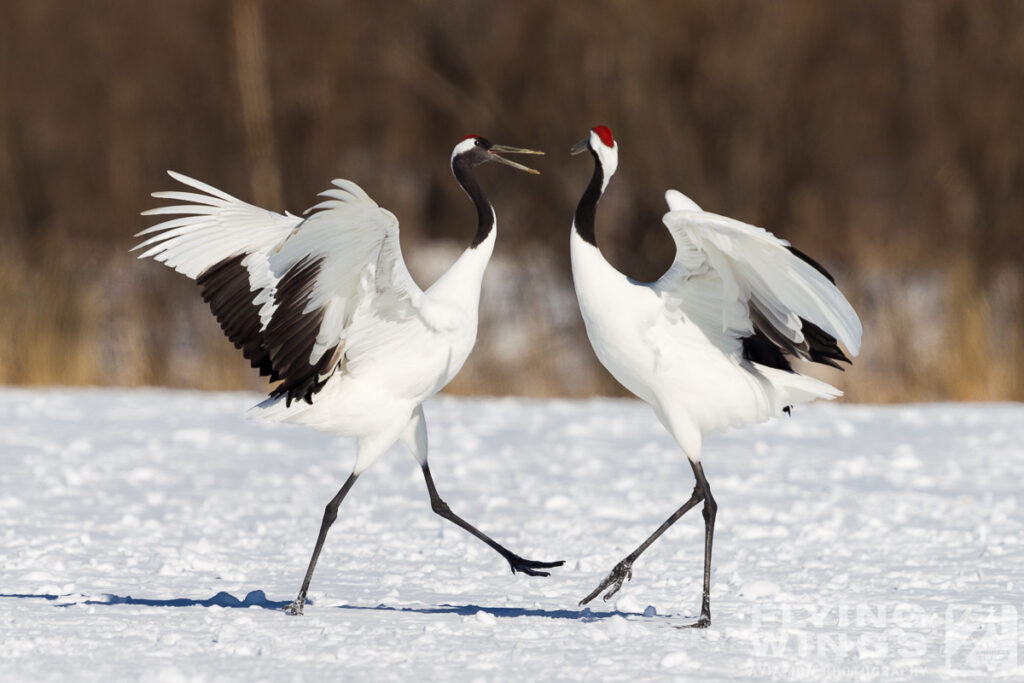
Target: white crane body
(325, 305)
(707, 345)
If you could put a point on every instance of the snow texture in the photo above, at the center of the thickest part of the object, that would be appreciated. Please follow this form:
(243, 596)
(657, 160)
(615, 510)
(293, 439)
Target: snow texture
(154, 535)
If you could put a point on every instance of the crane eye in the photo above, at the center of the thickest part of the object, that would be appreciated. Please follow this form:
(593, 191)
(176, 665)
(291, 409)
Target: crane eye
(478, 142)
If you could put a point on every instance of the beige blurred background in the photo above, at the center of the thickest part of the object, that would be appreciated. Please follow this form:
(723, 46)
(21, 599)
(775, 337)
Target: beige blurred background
(884, 138)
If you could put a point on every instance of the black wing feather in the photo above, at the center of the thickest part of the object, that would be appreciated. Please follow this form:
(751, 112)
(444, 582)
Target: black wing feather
(225, 287)
(291, 335)
(767, 346)
(814, 264)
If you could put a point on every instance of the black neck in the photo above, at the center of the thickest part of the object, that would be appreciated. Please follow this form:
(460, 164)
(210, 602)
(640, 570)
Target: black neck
(587, 208)
(485, 214)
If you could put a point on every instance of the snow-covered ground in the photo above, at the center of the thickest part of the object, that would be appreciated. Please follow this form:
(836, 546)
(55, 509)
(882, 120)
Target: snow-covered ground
(154, 534)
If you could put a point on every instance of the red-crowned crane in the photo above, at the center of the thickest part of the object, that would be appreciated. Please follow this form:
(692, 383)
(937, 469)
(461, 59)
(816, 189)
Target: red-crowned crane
(325, 306)
(708, 344)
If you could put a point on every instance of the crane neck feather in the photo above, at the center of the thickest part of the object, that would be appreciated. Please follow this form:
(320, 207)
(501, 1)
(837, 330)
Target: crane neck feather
(586, 212)
(485, 212)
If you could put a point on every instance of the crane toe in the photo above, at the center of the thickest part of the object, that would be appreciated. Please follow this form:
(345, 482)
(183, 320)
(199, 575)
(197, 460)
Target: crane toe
(622, 572)
(531, 567)
(703, 622)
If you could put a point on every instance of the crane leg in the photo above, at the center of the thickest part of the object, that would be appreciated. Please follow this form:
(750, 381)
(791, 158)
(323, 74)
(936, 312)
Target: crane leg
(710, 510)
(623, 571)
(330, 514)
(518, 564)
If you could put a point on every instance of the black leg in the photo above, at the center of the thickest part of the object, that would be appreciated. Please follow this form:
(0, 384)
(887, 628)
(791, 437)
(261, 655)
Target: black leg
(710, 509)
(330, 514)
(623, 571)
(517, 563)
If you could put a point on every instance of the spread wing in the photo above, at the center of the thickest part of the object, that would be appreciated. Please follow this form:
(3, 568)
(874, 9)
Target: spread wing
(341, 274)
(294, 294)
(751, 292)
(224, 244)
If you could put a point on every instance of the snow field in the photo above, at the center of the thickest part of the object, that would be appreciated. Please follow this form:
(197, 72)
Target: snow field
(137, 528)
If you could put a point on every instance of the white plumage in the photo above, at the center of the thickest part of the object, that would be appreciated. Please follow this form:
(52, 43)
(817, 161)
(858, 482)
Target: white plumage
(706, 345)
(326, 305)
(361, 295)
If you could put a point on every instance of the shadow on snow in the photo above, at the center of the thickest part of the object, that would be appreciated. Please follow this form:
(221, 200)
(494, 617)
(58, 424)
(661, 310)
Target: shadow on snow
(469, 610)
(222, 599)
(258, 598)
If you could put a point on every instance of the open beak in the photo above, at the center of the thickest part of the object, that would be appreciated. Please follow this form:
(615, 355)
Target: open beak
(580, 147)
(493, 151)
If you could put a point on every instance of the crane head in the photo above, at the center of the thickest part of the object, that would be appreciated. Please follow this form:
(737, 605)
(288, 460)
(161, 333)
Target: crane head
(476, 150)
(602, 145)
(600, 136)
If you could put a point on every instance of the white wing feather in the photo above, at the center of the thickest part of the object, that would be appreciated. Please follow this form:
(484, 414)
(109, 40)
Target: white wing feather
(212, 227)
(753, 265)
(354, 242)
(361, 265)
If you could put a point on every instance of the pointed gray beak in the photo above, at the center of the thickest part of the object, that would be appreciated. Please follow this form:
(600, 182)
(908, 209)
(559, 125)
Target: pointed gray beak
(493, 151)
(580, 147)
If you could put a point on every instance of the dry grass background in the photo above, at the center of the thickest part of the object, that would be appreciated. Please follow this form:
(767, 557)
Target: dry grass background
(885, 138)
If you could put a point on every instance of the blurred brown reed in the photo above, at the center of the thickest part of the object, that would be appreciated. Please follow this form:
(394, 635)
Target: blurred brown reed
(882, 137)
